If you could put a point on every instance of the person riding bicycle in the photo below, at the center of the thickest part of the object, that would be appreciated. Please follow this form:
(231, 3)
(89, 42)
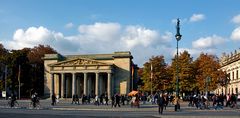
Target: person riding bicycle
(34, 99)
(13, 100)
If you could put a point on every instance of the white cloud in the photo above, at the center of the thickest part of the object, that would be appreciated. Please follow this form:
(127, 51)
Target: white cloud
(167, 37)
(100, 31)
(208, 42)
(38, 35)
(98, 38)
(69, 25)
(236, 34)
(138, 36)
(197, 17)
(236, 19)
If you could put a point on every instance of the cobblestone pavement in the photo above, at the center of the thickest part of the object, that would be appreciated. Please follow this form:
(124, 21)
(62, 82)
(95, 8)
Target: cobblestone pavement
(186, 111)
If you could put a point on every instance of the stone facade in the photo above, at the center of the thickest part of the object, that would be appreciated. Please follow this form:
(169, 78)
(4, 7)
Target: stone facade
(92, 74)
(230, 63)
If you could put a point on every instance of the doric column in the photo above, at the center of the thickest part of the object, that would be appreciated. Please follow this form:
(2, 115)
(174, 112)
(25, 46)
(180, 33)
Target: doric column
(96, 83)
(85, 84)
(73, 84)
(109, 85)
(62, 85)
(53, 87)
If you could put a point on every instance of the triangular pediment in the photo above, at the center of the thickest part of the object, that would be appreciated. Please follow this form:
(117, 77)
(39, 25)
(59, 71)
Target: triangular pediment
(78, 62)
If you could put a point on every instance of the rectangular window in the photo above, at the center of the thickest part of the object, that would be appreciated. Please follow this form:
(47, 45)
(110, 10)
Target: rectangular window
(232, 75)
(237, 75)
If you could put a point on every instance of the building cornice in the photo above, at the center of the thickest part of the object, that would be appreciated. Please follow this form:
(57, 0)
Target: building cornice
(229, 59)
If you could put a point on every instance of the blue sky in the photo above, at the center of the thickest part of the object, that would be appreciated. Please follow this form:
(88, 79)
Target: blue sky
(144, 27)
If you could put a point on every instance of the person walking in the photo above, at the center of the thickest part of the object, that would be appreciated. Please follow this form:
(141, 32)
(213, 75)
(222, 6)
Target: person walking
(74, 99)
(123, 99)
(113, 100)
(106, 99)
(228, 100)
(161, 103)
(53, 99)
(176, 103)
(117, 98)
(83, 98)
(101, 99)
(97, 100)
(77, 99)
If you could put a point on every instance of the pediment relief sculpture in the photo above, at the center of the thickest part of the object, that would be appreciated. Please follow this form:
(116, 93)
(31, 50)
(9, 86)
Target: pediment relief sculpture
(78, 62)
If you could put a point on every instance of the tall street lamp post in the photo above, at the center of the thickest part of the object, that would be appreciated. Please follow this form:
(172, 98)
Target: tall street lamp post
(178, 38)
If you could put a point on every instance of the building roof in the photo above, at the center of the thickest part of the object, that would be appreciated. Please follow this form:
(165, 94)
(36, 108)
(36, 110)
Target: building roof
(227, 59)
(123, 54)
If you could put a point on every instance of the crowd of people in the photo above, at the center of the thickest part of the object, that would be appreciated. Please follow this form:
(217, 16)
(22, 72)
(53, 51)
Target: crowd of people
(202, 102)
(159, 98)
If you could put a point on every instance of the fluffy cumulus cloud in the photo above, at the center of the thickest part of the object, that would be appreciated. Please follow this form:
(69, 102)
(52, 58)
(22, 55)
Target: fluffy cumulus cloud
(31, 36)
(98, 38)
(236, 19)
(208, 42)
(236, 34)
(197, 17)
(100, 31)
(109, 37)
(138, 36)
(37, 35)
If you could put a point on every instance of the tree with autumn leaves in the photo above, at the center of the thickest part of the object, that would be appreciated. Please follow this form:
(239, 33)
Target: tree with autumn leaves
(207, 66)
(192, 74)
(186, 72)
(160, 75)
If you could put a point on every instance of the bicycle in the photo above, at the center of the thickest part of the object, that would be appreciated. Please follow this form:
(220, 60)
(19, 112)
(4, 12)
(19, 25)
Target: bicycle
(34, 104)
(12, 103)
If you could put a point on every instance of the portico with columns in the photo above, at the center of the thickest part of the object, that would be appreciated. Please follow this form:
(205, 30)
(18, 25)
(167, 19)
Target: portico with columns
(87, 75)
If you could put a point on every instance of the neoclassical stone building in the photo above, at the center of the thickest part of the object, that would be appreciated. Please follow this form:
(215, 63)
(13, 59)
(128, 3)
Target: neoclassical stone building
(88, 74)
(230, 63)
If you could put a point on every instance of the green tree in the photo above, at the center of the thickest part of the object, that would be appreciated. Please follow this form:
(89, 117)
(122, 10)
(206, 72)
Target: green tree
(3, 54)
(18, 66)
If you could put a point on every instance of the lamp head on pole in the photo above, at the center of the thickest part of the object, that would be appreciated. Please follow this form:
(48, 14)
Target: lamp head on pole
(178, 36)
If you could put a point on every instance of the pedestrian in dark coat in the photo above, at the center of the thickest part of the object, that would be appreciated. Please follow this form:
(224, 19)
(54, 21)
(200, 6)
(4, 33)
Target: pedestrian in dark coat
(106, 99)
(161, 103)
(53, 99)
(123, 99)
(101, 99)
(117, 99)
(113, 100)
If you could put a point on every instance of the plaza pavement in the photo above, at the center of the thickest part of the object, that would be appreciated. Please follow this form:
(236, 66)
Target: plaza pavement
(185, 112)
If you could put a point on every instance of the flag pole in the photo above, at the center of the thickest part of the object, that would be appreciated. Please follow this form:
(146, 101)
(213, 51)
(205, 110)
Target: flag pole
(19, 83)
(132, 76)
(151, 78)
(6, 81)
